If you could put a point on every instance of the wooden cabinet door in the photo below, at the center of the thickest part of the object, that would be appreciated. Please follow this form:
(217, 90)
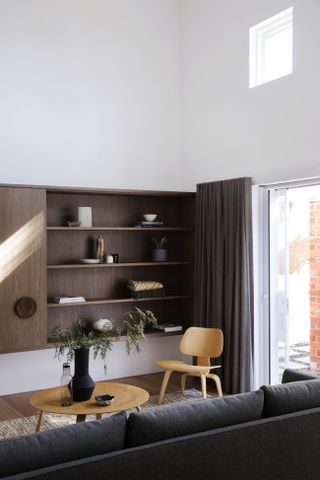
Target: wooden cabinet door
(22, 267)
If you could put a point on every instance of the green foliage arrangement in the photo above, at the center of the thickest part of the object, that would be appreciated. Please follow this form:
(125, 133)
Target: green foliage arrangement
(160, 243)
(68, 340)
(137, 320)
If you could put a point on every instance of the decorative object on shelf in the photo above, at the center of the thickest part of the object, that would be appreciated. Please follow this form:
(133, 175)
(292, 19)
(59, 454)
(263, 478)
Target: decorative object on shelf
(66, 386)
(85, 216)
(115, 257)
(150, 217)
(73, 224)
(102, 324)
(145, 224)
(104, 400)
(100, 248)
(62, 300)
(76, 345)
(25, 307)
(136, 322)
(89, 260)
(159, 253)
(145, 289)
(168, 327)
(110, 259)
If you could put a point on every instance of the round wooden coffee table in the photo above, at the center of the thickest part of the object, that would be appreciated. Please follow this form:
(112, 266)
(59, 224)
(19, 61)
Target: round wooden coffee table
(125, 397)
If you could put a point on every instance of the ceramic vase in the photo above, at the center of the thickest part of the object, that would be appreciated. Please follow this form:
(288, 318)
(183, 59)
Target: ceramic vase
(82, 383)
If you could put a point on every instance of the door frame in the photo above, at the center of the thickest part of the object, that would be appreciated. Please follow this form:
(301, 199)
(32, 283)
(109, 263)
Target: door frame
(261, 262)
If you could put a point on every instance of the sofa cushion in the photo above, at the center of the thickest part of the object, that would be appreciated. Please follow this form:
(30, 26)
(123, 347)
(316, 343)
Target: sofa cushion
(169, 421)
(291, 397)
(60, 445)
(290, 375)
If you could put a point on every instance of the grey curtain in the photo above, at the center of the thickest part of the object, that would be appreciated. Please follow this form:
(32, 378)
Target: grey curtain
(224, 274)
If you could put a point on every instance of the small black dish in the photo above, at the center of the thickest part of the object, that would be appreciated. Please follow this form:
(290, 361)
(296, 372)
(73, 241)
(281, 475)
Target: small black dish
(104, 400)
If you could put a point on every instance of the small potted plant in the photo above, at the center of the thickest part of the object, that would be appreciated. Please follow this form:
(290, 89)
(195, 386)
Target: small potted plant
(159, 253)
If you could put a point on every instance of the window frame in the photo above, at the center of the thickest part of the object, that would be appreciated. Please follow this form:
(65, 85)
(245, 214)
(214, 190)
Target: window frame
(257, 39)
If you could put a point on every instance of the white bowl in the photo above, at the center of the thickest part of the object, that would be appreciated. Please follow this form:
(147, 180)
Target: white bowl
(149, 217)
(90, 260)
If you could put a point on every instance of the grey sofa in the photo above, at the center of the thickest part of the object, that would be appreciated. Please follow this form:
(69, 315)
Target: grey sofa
(273, 433)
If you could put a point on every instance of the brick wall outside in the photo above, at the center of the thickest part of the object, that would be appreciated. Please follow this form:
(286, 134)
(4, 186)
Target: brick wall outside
(314, 285)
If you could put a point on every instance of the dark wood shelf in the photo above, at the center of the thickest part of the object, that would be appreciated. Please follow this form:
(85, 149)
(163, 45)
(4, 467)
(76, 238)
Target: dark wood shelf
(120, 229)
(149, 334)
(117, 265)
(118, 300)
(51, 343)
(69, 190)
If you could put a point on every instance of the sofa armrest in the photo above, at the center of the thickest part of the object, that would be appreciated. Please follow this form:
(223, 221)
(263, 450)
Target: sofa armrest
(290, 375)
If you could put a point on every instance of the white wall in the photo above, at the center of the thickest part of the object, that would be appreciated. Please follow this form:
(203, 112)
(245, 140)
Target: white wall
(270, 132)
(89, 93)
(28, 371)
(89, 96)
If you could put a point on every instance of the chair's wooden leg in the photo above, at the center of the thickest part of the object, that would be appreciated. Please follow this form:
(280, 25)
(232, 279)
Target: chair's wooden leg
(203, 386)
(183, 382)
(217, 381)
(98, 416)
(165, 381)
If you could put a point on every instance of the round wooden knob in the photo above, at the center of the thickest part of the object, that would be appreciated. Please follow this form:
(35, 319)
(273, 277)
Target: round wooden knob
(25, 307)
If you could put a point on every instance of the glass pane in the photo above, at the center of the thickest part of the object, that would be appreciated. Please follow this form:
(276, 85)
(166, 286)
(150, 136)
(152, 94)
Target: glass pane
(278, 284)
(294, 280)
(277, 57)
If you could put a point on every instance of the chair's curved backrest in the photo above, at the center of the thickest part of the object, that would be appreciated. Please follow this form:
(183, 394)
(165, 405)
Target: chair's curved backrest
(202, 342)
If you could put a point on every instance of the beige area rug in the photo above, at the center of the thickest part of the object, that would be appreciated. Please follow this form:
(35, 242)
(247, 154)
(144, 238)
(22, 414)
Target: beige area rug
(27, 425)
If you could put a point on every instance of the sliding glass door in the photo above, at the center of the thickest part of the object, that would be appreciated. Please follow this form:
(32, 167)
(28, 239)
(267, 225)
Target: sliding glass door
(294, 279)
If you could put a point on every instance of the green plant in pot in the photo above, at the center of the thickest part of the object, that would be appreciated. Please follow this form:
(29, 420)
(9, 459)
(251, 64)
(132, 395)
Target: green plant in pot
(76, 344)
(159, 252)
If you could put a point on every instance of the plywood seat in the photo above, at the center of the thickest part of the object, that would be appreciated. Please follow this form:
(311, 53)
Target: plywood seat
(178, 366)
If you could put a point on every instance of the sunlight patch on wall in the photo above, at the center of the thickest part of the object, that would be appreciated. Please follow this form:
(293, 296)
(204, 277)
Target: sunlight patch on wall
(21, 245)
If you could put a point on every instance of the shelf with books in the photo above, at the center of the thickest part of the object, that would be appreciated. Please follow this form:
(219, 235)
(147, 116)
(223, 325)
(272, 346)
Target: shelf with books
(118, 300)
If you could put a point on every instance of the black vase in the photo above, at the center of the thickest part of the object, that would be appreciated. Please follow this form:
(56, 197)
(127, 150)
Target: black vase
(82, 383)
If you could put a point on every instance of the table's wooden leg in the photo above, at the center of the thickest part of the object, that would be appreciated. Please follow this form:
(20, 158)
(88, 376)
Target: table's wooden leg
(38, 426)
(138, 408)
(81, 418)
(98, 416)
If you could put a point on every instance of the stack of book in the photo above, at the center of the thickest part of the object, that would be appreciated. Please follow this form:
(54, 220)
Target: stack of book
(154, 224)
(68, 300)
(168, 327)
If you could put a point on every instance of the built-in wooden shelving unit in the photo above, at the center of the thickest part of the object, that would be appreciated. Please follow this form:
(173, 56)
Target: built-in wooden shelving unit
(115, 214)
(50, 259)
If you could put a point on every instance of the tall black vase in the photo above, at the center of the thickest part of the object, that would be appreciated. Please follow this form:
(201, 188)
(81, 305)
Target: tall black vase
(82, 383)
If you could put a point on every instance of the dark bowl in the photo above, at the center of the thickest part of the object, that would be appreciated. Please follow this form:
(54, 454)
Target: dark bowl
(104, 400)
